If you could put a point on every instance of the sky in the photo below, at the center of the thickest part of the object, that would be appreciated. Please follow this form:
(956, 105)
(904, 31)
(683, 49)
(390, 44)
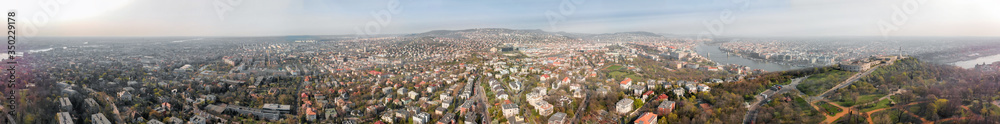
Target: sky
(371, 17)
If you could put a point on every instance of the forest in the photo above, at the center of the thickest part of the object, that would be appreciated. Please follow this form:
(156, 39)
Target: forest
(908, 91)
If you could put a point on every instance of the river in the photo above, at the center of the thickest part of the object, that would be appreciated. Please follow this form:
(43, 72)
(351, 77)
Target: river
(972, 63)
(717, 55)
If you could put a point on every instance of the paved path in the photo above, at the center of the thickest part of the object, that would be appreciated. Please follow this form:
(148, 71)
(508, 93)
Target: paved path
(846, 83)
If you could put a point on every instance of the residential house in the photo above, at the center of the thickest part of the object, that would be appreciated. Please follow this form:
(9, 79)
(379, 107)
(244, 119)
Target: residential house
(99, 118)
(703, 88)
(646, 118)
(125, 96)
(509, 109)
(447, 119)
(310, 114)
(197, 120)
(440, 110)
(65, 104)
(638, 90)
(624, 106)
(64, 118)
(421, 118)
(92, 105)
(625, 84)
(154, 121)
(679, 92)
(465, 107)
(470, 118)
(665, 107)
(544, 108)
(558, 118)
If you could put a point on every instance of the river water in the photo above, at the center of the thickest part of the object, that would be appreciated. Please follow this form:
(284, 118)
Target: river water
(980, 60)
(717, 55)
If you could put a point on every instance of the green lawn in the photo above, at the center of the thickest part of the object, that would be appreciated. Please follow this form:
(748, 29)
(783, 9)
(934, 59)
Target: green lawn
(914, 108)
(857, 117)
(617, 74)
(803, 105)
(894, 115)
(634, 77)
(614, 67)
(880, 104)
(858, 100)
(830, 109)
(993, 110)
(818, 83)
(868, 98)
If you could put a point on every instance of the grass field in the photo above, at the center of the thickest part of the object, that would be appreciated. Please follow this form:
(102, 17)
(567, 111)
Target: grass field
(830, 109)
(859, 100)
(894, 115)
(878, 105)
(803, 105)
(818, 83)
(614, 67)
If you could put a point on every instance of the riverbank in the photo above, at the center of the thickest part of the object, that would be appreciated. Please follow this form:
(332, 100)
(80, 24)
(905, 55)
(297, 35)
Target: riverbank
(712, 52)
(970, 63)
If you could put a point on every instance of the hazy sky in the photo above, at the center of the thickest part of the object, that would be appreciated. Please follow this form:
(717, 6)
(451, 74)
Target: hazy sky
(320, 17)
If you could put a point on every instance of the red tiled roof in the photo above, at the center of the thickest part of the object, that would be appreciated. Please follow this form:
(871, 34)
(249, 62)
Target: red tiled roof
(626, 81)
(645, 117)
(662, 97)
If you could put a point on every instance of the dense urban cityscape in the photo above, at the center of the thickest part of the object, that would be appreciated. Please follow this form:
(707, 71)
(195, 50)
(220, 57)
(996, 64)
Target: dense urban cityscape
(487, 75)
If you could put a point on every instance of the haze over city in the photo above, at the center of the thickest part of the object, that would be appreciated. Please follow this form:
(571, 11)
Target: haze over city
(318, 17)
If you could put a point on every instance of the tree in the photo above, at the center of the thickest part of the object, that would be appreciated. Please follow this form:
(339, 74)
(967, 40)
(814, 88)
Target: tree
(285, 99)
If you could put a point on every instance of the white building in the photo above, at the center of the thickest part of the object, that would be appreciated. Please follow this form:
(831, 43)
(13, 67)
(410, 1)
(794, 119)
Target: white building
(624, 106)
(509, 109)
(558, 118)
(64, 118)
(421, 118)
(625, 84)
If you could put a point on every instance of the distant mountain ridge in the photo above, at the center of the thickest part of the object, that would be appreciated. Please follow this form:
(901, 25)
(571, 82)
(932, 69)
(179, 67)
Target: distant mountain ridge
(505, 35)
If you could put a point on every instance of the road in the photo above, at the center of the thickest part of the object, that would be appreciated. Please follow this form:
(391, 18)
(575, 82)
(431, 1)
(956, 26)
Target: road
(583, 106)
(751, 114)
(846, 83)
(484, 105)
